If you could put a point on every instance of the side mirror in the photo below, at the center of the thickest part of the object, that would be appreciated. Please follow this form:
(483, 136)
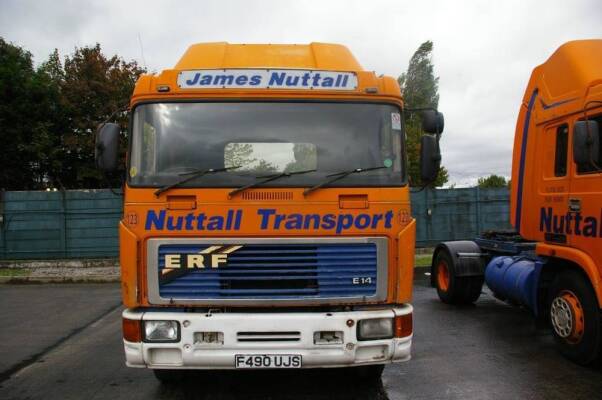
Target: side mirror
(430, 158)
(432, 122)
(586, 142)
(107, 147)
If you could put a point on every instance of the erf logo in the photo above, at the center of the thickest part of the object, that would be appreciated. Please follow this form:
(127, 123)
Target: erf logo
(211, 257)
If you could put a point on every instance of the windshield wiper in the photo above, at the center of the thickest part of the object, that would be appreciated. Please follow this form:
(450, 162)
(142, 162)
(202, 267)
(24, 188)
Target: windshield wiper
(340, 175)
(268, 178)
(193, 175)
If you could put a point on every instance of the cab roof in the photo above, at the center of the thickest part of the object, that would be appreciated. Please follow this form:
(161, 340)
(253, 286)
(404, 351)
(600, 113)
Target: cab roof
(319, 56)
(229, 58)
(567, 79)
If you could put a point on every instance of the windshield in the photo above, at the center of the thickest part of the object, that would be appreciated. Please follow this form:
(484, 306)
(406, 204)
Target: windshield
(258, 139)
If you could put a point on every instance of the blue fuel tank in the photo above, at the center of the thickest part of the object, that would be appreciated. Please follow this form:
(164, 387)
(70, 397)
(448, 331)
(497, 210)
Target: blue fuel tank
(514, 278)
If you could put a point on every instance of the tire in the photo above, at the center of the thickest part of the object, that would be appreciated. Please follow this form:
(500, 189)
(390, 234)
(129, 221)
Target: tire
(368, 373)
(168, 376)
(574, 315)
(453, 289)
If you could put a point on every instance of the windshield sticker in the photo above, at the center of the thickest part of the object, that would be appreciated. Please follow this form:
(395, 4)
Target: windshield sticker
(388, 162)
(267, 79)
(133, 172)
(396, 121)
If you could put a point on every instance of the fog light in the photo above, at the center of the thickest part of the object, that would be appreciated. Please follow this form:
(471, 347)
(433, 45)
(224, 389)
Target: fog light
(328, 337)
(215, 338)
(377, 328)
(161, 331)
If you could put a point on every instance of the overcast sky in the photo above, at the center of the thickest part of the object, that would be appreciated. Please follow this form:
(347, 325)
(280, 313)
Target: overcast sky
(484, 51)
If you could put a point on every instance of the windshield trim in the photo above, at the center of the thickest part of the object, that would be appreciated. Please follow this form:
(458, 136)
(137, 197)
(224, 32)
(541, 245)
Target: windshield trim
(277, 185)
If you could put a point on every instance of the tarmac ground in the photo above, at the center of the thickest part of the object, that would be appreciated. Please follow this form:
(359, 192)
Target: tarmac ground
(63, 341)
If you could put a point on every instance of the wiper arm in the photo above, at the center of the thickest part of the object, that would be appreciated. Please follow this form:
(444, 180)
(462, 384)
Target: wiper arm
(268, 178)
(193, 175)
(340, 175)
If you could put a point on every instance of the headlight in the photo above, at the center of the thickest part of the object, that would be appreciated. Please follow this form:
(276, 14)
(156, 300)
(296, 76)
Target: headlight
(377, 328)
(161, 331)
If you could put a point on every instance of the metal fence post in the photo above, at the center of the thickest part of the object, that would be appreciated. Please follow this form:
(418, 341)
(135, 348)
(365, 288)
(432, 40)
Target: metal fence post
(478, 210)
(63, 214)
(2, 222)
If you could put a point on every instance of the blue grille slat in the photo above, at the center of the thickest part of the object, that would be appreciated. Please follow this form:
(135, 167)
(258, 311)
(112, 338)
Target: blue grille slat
(284, 271)
(247, 291)
(273, 271)
(193, 281)
(321, 257)
(331, 263)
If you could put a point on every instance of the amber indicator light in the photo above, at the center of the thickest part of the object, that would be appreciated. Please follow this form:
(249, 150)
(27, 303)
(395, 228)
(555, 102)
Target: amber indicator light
(403, 325)
(132, 330)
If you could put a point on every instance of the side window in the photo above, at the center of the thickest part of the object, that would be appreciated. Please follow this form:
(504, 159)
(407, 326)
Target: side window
(596, 165)
(560, 156)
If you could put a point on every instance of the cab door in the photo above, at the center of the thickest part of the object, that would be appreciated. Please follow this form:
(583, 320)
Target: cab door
(585, 200)
(554, 182)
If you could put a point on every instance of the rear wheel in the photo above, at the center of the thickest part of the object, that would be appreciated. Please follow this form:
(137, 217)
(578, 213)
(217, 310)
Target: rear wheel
(575, 317)
(454, 289)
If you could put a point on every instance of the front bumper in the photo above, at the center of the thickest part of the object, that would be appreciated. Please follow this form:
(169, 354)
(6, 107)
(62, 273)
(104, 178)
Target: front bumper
(186, 354)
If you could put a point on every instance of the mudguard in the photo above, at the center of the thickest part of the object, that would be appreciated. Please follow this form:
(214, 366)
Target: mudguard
(466, 256)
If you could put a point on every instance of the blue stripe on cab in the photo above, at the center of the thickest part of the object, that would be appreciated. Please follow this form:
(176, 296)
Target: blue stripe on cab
(521, 167)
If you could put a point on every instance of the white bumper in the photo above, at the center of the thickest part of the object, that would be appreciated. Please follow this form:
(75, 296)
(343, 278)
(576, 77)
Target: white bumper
(188, 354)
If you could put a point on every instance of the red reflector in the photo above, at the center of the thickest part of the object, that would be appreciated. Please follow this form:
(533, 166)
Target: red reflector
(403, 325)
(132, 330)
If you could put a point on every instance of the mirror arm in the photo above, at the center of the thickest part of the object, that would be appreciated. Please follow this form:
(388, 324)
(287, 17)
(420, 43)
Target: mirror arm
(420, 109)
(121, 108)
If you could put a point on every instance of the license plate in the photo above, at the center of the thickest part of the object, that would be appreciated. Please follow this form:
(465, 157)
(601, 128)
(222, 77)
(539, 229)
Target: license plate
(267, 361)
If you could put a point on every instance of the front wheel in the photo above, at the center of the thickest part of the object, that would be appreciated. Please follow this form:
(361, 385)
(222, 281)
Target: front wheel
(369, 372)
(575, 317)
(168, 376)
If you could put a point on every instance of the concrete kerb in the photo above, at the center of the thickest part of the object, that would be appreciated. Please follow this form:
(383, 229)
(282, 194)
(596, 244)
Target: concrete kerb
(60, 263)
(59, 271)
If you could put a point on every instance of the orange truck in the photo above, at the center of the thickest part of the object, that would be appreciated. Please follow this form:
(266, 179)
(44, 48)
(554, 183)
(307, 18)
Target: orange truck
(266, 212)
(552, 263)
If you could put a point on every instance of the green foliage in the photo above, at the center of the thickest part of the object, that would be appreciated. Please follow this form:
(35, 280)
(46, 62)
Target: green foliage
(420, 89)
(25, 110)
(492, 181)
(242, 154)
(92, 88)
(49, 115)
(306, 158)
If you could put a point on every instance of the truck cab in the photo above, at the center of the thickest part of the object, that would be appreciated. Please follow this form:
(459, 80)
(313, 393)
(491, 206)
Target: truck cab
(552, 262)
(266, 213)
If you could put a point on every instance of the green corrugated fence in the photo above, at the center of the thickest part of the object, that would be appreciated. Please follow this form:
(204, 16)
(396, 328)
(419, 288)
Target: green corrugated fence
(69, 224)
(457, 214)
(83, 223)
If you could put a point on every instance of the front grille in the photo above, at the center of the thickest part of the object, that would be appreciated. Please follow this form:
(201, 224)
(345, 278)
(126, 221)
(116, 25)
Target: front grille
(268, 271)
(268, 336)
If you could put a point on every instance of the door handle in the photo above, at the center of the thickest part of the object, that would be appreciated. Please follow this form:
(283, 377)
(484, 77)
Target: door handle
(574, 205)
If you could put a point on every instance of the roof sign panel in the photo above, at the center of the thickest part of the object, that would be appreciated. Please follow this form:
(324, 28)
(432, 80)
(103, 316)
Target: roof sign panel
(267, 79)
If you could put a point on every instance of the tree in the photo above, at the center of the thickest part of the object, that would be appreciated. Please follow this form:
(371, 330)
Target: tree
(306, 158)
(492, 181)
(25, 109)
(93, 87)
(238, 154)
(420, 88)
(242, 154)
(48, 115)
